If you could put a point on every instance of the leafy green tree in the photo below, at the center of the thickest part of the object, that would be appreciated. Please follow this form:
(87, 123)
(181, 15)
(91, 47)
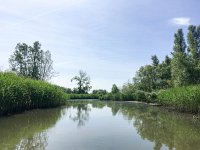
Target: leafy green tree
(32, 61)
(154, 77)
(145, 78)
(193, 38)
(164, 74)
(83, 82)
(19, 61)
(180, 63)
(167, 60)
(179, 42)
(114, 89)
(155, 61)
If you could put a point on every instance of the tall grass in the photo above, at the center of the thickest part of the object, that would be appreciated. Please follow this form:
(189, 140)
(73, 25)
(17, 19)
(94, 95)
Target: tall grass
(181, 98)
(18, 94)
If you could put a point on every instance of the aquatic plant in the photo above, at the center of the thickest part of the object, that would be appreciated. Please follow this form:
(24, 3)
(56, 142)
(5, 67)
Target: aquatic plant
(185, 98)
(18, 94)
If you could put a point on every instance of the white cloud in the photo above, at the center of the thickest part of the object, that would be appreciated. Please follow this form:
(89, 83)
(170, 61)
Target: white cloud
(183, 21)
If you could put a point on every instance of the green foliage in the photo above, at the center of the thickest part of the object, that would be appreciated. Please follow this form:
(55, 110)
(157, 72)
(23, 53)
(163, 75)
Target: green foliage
(18, 94)
(31, 61)
(136, 96)
(100, 92)
(106, 97)
(83, 82)
(114, 89)
(180, 69)
(193, 38)
(83, 96)
(65, 90)
(180, 62)
(186, 98)
(179, 42)
(155, 61)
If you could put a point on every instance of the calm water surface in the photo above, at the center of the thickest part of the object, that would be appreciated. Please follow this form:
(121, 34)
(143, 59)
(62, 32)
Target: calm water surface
(95, 125)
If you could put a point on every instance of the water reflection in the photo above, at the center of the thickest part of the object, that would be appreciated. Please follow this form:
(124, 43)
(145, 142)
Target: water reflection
(163, 128)
(81, 115)
(39, 141)
(26, 131)
(30, 131)
(170, 129)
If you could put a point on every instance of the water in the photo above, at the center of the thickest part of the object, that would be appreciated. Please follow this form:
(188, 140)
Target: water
(95, 125)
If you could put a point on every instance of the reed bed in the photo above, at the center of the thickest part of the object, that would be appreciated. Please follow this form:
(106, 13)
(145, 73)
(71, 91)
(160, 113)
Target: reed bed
(18, 94)
(182, 98)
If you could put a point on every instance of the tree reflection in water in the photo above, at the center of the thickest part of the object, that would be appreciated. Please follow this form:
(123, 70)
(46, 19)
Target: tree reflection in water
(163, 128)
(28, 130)
(81, 116)
(171, 129)
(38, 141)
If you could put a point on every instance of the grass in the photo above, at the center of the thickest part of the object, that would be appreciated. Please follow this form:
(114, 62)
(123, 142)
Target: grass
(18, 94)
(181, 98)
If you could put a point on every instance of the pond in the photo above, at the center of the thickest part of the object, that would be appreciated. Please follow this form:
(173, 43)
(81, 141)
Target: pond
(97, 125)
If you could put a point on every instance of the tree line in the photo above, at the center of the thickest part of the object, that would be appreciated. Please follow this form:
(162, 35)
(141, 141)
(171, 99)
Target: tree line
(35, 63)
(182, 69)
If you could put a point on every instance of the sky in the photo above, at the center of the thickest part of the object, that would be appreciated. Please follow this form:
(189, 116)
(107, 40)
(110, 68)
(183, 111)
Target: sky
(109, 39)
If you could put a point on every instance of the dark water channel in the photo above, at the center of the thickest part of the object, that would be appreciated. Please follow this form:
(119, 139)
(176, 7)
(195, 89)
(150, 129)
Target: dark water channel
(95, 125)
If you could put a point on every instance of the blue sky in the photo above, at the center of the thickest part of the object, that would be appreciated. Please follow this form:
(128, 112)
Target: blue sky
(109, 39)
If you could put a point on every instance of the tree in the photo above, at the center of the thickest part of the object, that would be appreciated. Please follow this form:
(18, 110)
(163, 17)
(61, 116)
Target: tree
(179, 42)
(155, 61)
(193, 38)
(83, 82)
(180, 63)
(164, 74)
(145, 78)
(100, 91)
(19, 61)
(114, 89)
(46, 66)
(31, 61)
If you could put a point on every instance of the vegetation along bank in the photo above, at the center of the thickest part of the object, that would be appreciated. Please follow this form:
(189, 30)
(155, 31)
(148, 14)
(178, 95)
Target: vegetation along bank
(18, 94)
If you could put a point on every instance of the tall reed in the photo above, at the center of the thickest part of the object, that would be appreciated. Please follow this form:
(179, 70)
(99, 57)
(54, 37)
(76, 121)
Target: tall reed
(182, 98)
(18, 94)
